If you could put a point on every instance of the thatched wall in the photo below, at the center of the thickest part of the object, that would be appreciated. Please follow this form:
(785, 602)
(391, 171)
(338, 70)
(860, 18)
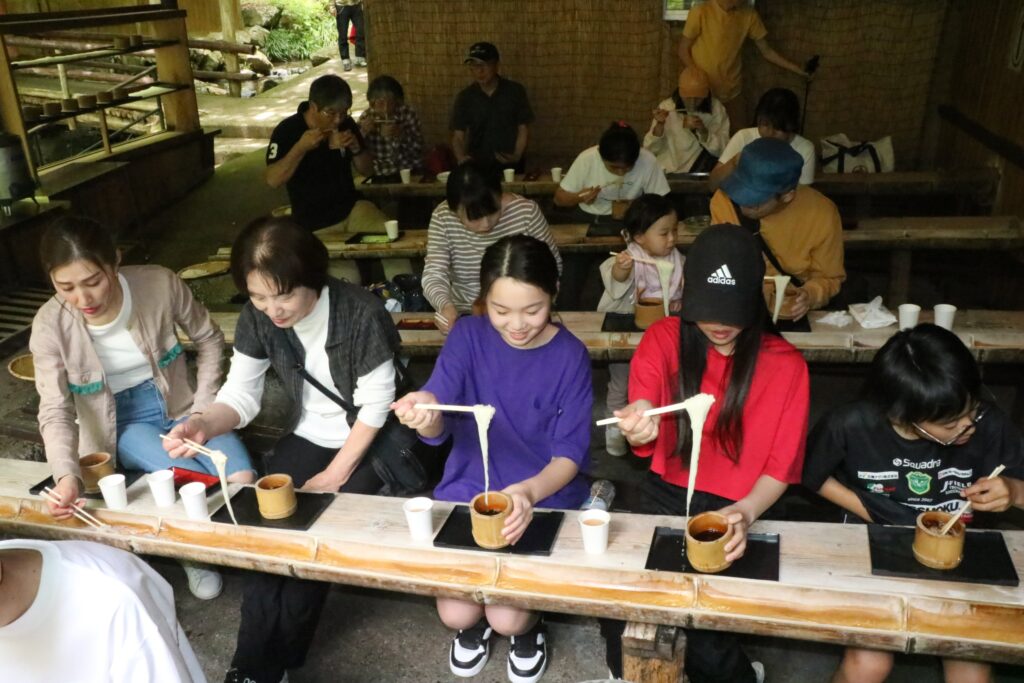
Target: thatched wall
(588, 62)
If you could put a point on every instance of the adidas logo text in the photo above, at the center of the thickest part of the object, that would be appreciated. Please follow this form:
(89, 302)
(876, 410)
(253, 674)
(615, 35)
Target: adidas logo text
(722, 276)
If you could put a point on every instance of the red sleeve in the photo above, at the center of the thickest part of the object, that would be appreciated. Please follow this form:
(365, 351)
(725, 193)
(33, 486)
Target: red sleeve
(786, 459)
(652, 372)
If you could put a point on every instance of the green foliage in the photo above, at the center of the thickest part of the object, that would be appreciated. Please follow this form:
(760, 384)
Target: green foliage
(305, 26)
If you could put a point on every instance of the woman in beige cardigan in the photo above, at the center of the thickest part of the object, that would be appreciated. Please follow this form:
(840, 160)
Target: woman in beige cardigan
(110, 372)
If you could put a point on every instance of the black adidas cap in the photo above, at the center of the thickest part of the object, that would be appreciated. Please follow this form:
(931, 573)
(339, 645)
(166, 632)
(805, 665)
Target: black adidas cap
(723, 276)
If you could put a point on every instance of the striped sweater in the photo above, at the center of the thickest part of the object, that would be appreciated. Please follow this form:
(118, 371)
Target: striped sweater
(451, 270)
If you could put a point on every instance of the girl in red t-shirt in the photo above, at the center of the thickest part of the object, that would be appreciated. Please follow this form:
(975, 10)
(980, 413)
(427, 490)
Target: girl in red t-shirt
(753, 439)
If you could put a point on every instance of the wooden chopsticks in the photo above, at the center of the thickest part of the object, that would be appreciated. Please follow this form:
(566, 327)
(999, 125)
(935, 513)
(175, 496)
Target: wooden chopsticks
(198, 448)
(77, 511)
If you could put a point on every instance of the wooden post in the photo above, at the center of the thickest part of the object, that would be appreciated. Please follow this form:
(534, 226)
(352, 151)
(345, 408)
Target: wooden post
(230, 18)
(653, 654)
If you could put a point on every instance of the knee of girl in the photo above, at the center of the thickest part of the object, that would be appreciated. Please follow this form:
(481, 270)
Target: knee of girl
(960, 671)
(243, 477)
(867, 665)
(509, 621)
(458, 614)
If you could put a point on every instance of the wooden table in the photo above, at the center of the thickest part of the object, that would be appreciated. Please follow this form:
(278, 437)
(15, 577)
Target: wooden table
(902, 236)
(994, 337)
(825, 592)
(967, 181)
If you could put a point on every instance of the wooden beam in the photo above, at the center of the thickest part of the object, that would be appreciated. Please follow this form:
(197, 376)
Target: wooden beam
(1004, 147)
(230, 19)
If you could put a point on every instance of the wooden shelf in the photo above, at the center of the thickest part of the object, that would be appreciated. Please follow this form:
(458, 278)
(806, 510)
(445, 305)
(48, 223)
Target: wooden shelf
(72, 57)
(151, 91)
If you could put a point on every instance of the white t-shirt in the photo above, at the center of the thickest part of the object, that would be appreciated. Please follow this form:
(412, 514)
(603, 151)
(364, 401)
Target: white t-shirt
(588, 170)
(123, 363)
(802, 145)
(322, 421)
(101, 615)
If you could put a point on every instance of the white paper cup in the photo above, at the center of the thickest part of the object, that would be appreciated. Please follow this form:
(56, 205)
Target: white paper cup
(908, 315)
(161, 485)
(392, 229)
(406, 174)
(115, 495)
(944, 314)
(594, 529)
(419, 516)
(510, 175)
(556, 174)
(193, 497)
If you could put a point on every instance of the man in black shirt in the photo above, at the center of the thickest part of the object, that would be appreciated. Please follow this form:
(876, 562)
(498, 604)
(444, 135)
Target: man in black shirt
(312, 152)
(490, 118)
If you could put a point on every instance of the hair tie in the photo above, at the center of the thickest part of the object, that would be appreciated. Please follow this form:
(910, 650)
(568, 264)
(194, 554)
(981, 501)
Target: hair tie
(621, 123)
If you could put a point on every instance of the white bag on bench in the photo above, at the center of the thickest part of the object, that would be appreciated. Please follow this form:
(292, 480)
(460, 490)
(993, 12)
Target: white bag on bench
(839, 154)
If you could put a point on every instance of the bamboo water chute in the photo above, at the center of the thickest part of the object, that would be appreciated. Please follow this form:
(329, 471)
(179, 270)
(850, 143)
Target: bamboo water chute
(825, 591)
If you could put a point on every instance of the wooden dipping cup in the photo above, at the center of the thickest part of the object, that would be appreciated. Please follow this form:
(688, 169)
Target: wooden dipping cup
(94, 467)
(708, 556)
(935, 550)
(646, 312)
(275, 495)
(488, 518)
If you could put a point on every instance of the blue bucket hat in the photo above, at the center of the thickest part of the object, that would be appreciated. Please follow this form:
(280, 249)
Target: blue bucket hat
(767, 167)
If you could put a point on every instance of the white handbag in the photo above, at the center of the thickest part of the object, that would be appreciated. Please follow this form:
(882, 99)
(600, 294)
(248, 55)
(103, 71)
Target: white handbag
(839, 154)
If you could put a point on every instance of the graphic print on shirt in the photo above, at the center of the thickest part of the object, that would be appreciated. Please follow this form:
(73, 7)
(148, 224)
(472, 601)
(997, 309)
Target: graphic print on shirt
(919, 482)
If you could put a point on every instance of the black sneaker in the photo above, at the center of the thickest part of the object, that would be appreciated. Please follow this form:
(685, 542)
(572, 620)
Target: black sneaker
(470, 649)
(528, 655)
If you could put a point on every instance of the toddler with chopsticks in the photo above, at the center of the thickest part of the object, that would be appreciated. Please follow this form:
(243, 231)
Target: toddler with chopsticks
(633, 274)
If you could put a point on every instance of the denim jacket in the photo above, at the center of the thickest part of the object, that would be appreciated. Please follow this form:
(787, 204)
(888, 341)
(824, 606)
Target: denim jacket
(70, 379)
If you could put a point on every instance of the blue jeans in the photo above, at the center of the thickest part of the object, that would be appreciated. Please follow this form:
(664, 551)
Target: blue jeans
(142, 418)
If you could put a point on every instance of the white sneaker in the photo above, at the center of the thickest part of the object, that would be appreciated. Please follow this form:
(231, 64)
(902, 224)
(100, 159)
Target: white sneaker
(346, 64)
(204, 583)
(471, 647)
(359, 61)
(758, 671)
(615, 442)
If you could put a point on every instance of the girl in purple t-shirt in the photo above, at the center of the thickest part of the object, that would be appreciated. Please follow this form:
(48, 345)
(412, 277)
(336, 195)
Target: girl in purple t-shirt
(537, 376)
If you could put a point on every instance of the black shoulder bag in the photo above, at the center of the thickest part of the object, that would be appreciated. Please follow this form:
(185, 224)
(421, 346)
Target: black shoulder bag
(392, 453)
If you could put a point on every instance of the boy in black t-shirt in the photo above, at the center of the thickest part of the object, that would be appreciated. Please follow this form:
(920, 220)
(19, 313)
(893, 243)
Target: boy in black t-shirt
(920, 439)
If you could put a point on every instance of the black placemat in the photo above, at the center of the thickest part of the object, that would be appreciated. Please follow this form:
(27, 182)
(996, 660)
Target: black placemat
(619, 322)
(457, 532)
(247, 511)
(605, 227)
(130, 477)
(357, 238)
(760, 561)
(986, 559)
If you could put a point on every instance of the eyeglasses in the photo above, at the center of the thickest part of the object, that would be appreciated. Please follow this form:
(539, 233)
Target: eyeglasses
(979, 413)
(331, 113)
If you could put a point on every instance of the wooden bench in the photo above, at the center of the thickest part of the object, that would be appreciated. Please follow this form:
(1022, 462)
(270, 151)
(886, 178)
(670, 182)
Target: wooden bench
(901, 236)
(825, 591)
(994, 337)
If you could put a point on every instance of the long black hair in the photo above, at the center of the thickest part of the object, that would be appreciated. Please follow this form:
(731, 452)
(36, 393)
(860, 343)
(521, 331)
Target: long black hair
(693, 353)
(923, 374)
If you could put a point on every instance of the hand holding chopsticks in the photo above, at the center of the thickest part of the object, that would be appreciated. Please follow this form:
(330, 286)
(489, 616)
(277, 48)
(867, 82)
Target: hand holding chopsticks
(197, 447)
(639, 259)
(79, 512)
(674, 408)
(967, 504)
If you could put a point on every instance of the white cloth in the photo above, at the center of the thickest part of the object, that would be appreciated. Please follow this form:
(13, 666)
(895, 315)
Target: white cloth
(124, 365)
(873, 314)
(802, 145)
(101, 615)
(321, 421)
(588, 170)
(679, 147)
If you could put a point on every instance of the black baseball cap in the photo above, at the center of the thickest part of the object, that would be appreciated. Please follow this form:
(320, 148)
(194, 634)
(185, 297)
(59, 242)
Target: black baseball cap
(723, 275)
(482, 52)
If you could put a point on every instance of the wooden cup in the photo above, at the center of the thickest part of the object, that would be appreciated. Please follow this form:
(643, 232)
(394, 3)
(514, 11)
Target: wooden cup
(936, 550)
(69, 104)
(706, 537)
(86, 101)
(275, 495)
(104, 97)
(94, 467)
(488, 518)
(619, 207)
(51, 108)
(648, 311)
